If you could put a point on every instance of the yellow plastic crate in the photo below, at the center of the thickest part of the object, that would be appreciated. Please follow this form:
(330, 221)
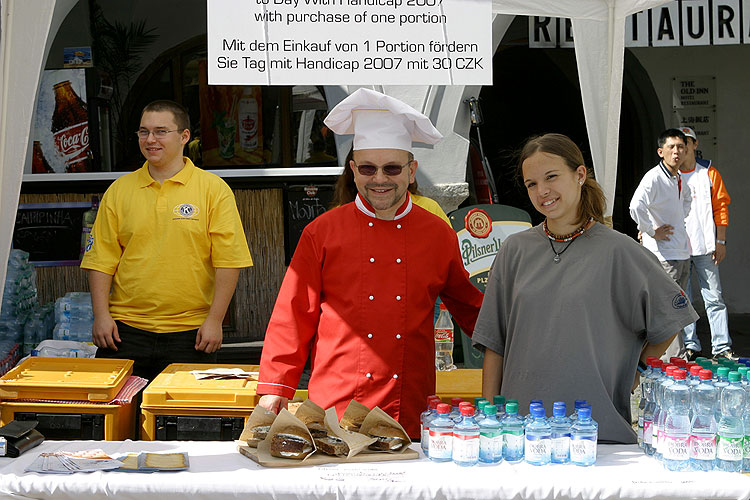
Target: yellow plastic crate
(177, 406)
(464, 383)
(69, 379)
(95, 422)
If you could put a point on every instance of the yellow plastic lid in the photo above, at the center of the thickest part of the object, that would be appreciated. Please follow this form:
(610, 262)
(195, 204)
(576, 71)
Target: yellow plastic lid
(177, 387)
(462, 383)
(69, 379)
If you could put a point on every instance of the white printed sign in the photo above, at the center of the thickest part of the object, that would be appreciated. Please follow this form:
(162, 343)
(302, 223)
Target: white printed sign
(349, 42)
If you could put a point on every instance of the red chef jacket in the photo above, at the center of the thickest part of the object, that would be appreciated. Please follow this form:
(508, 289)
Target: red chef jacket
(360, 293)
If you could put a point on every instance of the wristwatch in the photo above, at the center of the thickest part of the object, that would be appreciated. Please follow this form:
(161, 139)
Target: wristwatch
(722, 242)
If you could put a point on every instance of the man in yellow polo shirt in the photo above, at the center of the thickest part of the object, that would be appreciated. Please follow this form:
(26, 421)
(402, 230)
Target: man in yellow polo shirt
(168, 242)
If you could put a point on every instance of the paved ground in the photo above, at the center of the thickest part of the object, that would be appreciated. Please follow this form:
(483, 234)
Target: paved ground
(739, 330)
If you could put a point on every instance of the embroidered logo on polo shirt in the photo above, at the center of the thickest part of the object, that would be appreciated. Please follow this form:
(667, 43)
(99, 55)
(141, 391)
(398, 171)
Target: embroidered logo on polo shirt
(680, 301)
(186, 210)
(89, 242)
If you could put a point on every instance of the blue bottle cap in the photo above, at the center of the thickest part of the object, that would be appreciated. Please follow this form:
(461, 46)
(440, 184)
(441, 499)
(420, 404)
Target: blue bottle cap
(579, 402)
(537, 401)
(584, 412)
(558, 411)
(537, 411)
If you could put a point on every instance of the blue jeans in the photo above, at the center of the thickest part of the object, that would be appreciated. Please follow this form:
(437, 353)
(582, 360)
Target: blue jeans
(703, 267)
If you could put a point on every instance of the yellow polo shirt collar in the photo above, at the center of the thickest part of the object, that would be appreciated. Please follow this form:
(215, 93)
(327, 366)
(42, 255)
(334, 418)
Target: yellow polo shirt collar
(181, 177)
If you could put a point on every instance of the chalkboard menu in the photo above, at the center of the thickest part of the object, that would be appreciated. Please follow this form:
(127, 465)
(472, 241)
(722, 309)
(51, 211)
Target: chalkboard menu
(302, 203)
(50, 232)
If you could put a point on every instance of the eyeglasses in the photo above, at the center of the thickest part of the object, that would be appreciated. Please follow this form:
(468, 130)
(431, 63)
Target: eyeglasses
(143, 133)
(390, 170)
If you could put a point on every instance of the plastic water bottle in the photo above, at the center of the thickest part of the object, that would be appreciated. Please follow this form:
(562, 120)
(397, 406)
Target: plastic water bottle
(490, 437)
(461, 405)
(677, 423)
(560, 429)
(704, 398)
(441, 435)
(533, 404)
(455, 413)
(729, 442)
(466, 439)
(583, 436)
(648, 410)
(444, 341)
(722, 380)
(479, 414)
(512, 434)
(424, 422)
(576, 405)
(746, 418)
(499, 402)
(642, 401)
(538, 444)
(660, 413)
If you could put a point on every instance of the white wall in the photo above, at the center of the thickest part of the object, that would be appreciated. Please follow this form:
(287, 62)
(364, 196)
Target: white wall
(729, 64)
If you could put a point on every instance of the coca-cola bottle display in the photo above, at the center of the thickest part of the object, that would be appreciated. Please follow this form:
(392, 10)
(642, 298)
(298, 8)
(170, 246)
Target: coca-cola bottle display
(39, 164)
(70, 128)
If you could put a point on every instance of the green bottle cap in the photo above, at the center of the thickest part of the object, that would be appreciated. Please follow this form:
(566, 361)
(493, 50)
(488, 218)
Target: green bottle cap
(512, 401)
(477, 400)
(482, 404)
(723, 371)
(511, 407)
(490, 410)
(734, 376)
(700, 359)
(499, 401)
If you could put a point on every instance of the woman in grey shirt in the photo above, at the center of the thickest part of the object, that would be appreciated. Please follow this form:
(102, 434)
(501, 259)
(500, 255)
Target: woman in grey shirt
(572, 305)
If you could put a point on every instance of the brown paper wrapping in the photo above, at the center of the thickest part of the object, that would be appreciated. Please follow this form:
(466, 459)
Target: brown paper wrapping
(259, 416)
(309, 413)
(355, 441)
(355, 412)
(284, 420)
(378, 417)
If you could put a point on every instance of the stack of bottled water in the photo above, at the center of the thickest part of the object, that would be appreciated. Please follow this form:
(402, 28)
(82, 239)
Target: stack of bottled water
(697, 418)
(19, 300)
(74, 317)
(494, 432)
(38, 327)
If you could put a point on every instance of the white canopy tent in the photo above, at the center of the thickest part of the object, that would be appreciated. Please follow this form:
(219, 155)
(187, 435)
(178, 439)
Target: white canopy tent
(25, 28)
(599, 33)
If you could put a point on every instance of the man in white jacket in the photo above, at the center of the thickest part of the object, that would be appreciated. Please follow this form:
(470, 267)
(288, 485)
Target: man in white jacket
(659, 207)
(707, 232)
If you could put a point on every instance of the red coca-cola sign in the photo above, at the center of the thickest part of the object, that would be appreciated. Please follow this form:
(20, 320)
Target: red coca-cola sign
(73, 142)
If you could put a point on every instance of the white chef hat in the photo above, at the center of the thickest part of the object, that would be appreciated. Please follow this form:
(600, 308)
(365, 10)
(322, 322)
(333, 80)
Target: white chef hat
(379, 121)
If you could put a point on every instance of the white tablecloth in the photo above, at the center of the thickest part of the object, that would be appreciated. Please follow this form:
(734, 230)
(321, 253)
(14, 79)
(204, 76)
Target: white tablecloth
(218, 471)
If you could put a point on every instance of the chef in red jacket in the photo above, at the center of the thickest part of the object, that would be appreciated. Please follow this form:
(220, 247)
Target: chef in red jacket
(360, 290)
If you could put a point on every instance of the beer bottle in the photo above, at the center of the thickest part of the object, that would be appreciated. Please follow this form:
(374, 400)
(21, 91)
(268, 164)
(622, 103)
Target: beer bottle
(39, 164)
(70, 128)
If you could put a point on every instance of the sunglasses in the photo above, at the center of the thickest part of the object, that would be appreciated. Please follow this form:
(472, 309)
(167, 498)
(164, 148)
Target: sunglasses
(389, 170)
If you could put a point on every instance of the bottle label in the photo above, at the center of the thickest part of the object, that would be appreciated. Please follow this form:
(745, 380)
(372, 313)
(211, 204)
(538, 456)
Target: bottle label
(443, 335)
(73, 142)
(513, 443)
(648, 431)
(441, 444)
(702, 447)
(561, 447)
(582, 449)
(538, 448)
(729, 448)
(465, 447)
(746, 452)
(675, 447)
(490, 444)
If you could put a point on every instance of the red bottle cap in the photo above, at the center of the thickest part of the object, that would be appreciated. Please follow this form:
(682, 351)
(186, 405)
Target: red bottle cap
(467, 411)
(443, 409)
(650, 358)
(657, 363)
(456, 401)
(464, 403)
(680, 362)
(670, 370)
(680, 374)
(674, 359)
(706, 375)
(434, 403)
(695, 370)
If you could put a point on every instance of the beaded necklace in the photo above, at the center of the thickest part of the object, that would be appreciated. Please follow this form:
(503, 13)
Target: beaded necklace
(562, 239)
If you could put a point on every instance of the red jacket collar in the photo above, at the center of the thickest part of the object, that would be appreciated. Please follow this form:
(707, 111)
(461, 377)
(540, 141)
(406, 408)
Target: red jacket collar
(367, 209)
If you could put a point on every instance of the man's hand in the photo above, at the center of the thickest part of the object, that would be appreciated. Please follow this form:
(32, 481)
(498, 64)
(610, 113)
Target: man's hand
(663, 232)
(209, 336)
(719, 253)
(273, 403)
(105, 332)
